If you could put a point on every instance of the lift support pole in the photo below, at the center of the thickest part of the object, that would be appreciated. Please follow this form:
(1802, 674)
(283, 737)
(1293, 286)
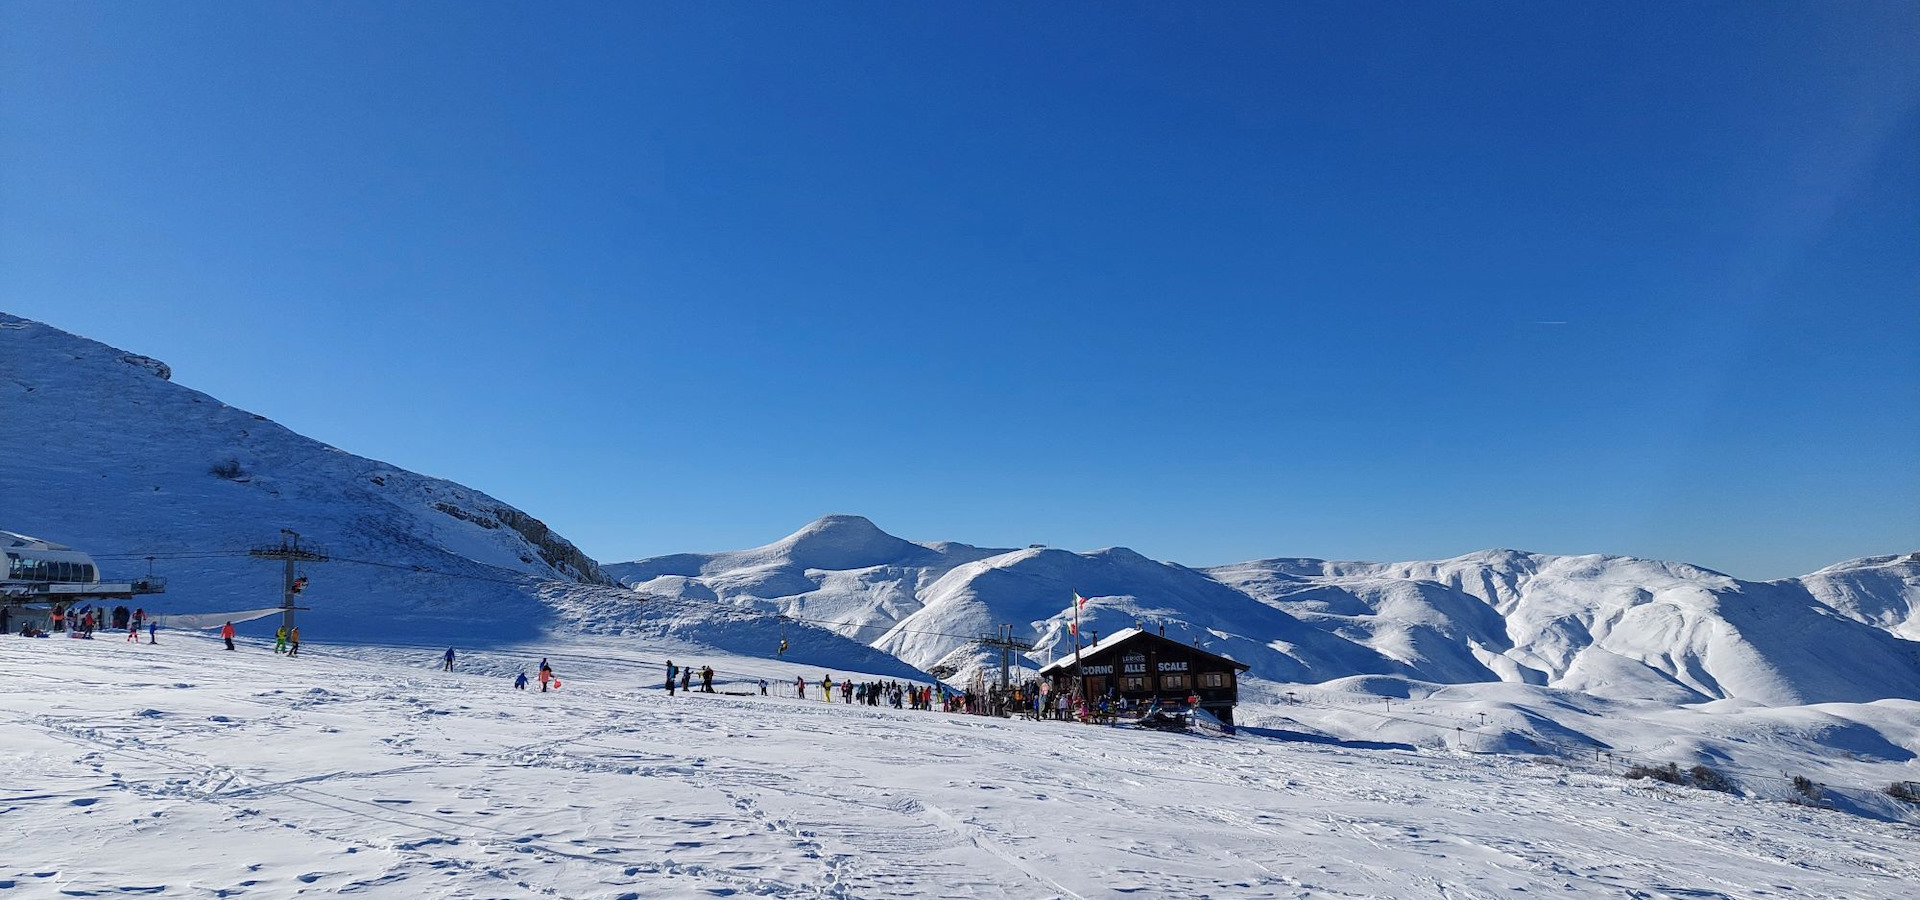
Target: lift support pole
(290, 551)
(1007, 643)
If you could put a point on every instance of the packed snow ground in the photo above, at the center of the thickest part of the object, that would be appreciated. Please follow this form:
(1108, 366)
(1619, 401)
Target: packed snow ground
(182, 770)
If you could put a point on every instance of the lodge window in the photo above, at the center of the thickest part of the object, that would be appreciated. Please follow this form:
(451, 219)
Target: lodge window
(1214, 680)
(1133, 683)
(1173, 682)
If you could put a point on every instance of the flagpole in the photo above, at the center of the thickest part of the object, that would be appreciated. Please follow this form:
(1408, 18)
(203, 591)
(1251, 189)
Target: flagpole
(1079, 680)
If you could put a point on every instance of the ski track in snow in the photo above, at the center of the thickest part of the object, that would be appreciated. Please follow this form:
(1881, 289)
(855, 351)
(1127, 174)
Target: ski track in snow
(183, 771)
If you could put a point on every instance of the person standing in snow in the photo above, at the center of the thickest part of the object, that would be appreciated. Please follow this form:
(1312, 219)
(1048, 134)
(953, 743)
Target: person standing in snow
(153, 632)
(226, 634)
(800, 686)
(672, 673)
(763, 687)
(280, 639)
(686, 678)
(447, 660)
(706, 679)
(293, 641)
(520, 682)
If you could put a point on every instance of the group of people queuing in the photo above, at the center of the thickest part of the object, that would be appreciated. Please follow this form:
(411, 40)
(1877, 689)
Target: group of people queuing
(82, 622)
(685, 676)
(869, 693)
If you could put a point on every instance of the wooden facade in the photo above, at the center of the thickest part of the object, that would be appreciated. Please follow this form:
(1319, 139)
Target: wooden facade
(1139, 666)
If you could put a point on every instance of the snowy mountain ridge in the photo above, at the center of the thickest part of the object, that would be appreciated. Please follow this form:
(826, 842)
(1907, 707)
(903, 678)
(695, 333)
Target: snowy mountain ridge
(123, 462)
(1612, 626)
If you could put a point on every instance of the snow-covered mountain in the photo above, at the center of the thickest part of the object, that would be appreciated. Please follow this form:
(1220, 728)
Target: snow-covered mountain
(1882, 591)
(839, 569)
(104, 452)
(1610, 626)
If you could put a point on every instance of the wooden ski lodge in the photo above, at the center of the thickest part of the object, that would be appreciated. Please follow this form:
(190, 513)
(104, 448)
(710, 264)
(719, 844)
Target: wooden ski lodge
(1138, 665)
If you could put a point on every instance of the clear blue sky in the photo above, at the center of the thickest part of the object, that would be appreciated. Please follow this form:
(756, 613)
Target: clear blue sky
(1211, 281)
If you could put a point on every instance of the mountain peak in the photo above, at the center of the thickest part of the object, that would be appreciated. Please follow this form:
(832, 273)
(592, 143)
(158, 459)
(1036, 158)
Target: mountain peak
(839, 524)
(845, 542)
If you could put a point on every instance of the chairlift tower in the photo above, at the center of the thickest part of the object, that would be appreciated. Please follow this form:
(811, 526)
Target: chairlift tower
(1007, 644)
(289, 551)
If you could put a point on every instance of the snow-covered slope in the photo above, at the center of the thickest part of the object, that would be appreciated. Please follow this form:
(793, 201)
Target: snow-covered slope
(104, 452)
(183, 770)
(1882, 591)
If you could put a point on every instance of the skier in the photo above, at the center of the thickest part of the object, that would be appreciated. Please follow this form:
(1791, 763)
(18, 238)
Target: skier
(546, 674)
(447, 660)
(826, 688)
(686, 678)
(153, 632)
(226, 634)
(706, 679)
(293, 642)
(672, 672)
(520, 682)
(763, 687)
(800, 686)
(280, 639)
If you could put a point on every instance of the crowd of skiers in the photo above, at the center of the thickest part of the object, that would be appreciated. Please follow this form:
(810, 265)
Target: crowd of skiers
(83, 622)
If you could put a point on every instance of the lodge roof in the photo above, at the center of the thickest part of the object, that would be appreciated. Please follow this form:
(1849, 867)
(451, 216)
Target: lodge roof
(1125, 635)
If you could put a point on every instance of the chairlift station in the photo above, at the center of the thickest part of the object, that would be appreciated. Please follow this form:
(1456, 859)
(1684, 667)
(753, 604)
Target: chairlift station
(45, 572)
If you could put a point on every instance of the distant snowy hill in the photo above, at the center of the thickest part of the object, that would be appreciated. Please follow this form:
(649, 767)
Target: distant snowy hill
(1882, 591)
(1607, 625)
(105, 453)
(839, 569)
(1610, 626)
